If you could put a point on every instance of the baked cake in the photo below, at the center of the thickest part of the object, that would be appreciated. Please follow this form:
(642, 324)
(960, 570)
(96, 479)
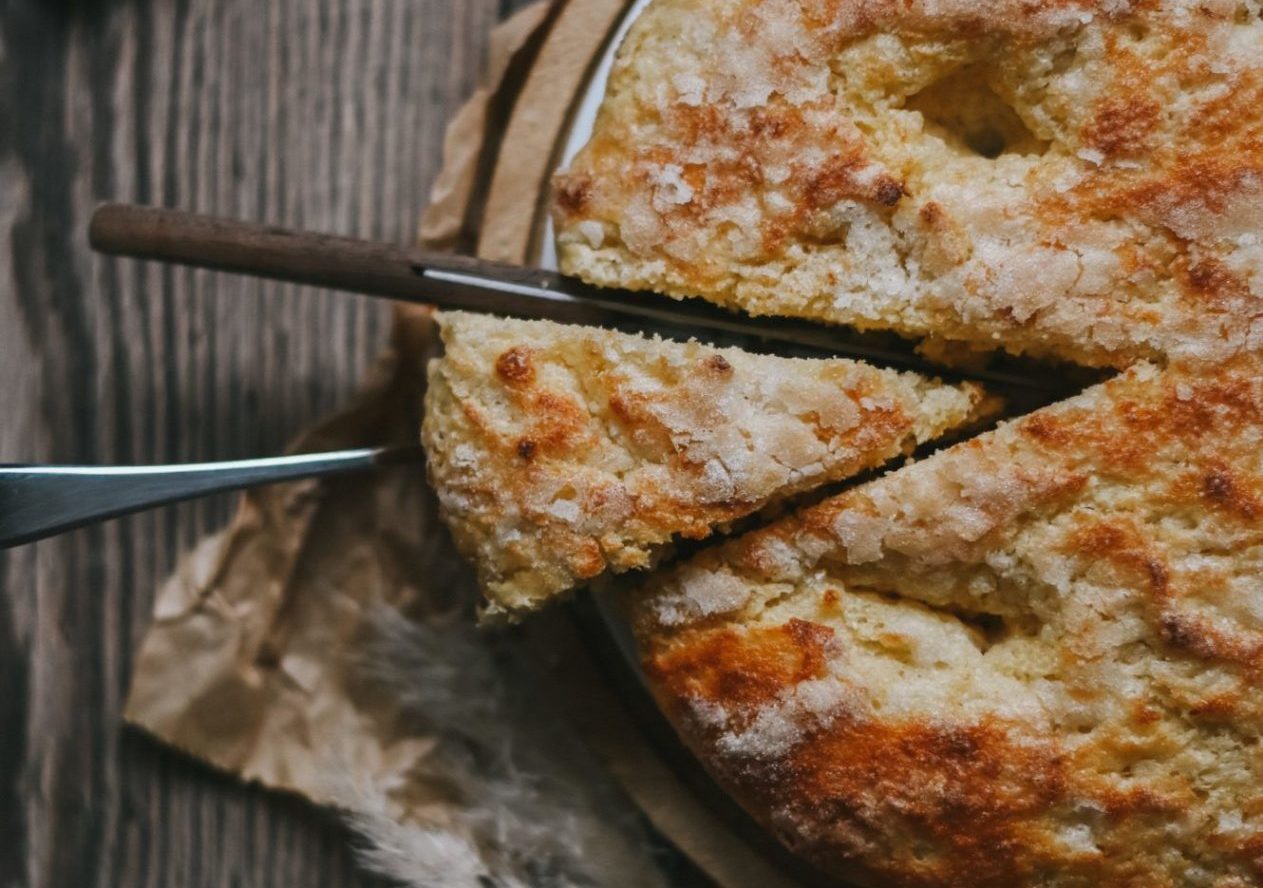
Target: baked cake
(1032, 659)
(561, 452)
(1080, 179)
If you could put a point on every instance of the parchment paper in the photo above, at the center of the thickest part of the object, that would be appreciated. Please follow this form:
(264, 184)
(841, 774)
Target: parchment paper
(246, 663)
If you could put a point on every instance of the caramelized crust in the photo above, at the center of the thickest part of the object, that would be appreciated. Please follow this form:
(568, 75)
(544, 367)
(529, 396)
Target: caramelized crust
(1072, 178)
(1029, 660)
(560, 452)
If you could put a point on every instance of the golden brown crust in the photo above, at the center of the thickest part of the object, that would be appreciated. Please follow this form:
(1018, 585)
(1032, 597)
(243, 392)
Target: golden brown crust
(1074, 178)
(561, 452)
(1028, 660)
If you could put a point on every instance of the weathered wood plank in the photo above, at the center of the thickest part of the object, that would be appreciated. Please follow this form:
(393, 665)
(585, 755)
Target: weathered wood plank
(320, 113)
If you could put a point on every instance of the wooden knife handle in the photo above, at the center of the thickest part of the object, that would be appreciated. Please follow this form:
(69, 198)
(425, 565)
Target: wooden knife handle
(301, 257)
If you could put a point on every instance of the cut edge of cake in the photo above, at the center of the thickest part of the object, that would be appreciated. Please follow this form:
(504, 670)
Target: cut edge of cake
(561, 452)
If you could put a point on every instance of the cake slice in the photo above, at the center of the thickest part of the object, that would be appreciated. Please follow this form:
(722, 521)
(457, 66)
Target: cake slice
(561, 452)
(1080, 180)
(1031, 659)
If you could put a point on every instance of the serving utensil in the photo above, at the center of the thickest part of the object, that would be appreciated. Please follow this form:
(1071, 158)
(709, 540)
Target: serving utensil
(40, 501)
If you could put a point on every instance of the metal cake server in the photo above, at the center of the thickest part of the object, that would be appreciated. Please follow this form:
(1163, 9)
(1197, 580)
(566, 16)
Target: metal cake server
(40, 501)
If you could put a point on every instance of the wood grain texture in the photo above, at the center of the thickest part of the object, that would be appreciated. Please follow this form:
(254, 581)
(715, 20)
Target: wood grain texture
(326, 114)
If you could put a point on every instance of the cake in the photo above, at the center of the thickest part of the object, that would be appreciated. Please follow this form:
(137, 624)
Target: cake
(1030, 660)
(561, 452)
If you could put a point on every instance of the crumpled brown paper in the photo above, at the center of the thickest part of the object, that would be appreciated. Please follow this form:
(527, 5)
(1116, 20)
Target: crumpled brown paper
(245, 663)
(445, 220)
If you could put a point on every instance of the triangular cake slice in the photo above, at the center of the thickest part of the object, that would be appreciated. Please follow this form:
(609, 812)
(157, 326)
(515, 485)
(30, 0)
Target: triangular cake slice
(1081, 180)
(561, 452)
(1031, 659)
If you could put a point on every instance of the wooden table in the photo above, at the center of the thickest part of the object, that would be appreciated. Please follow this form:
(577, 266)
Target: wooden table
(327, 114)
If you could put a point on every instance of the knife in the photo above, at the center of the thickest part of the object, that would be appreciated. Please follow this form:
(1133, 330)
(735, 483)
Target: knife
(469, 284)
